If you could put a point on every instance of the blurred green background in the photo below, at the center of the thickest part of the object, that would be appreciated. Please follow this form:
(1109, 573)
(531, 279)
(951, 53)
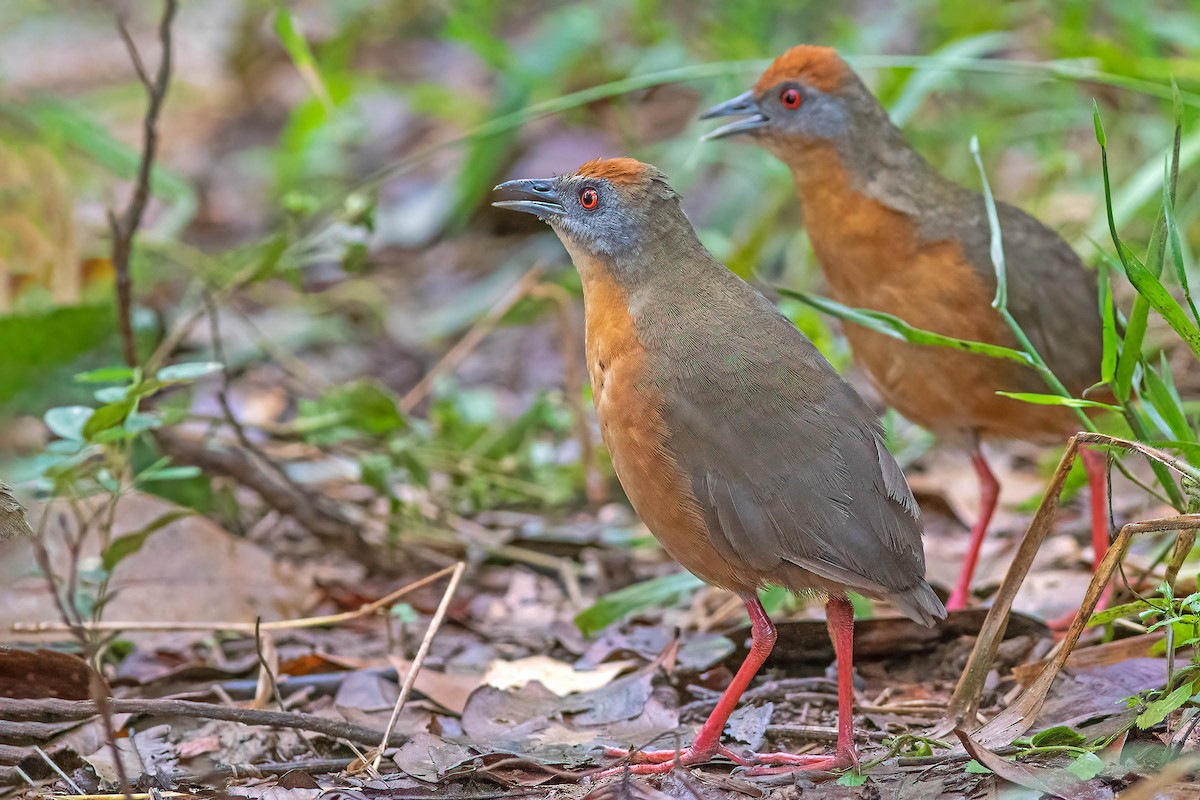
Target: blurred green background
(343, 153)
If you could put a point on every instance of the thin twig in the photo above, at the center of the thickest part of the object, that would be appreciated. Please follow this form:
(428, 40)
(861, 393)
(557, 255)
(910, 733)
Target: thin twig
(419, 659)
(321, 516)
(54, 708)
(125, 227)
(58, 769)
(241, 627)
(471, 339)
(239, 431)
(99, 693)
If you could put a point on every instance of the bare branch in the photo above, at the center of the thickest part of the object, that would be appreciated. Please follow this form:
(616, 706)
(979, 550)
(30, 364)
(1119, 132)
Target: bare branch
(126, 225)
(54, 708)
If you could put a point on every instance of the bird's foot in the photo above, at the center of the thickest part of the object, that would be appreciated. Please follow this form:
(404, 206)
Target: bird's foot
(778, 763)
(658, 762)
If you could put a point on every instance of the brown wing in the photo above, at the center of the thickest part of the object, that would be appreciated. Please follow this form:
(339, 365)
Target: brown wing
(1050, 292)
(788, 464)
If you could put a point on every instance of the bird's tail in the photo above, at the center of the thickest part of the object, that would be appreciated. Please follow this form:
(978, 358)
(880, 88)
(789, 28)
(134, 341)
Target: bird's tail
(920, 604)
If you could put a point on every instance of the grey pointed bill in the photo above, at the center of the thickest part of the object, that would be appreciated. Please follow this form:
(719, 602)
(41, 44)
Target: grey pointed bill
(744, 106)
(533, 196)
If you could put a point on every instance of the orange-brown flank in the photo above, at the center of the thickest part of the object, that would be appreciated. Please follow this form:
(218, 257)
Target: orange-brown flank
(872, 258)
(630, 410)
(819, 67)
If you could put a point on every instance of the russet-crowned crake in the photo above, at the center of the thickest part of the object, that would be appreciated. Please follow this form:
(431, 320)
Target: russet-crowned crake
(893, 235)
(743, 451)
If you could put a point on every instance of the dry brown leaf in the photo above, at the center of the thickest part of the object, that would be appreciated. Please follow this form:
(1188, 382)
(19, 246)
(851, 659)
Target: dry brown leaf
(557, 676)
(34, 674)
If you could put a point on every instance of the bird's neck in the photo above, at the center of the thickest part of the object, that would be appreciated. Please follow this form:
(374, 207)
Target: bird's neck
(853, 213)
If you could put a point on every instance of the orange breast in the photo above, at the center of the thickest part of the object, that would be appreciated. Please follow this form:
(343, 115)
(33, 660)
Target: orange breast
(872, 258)
(630, 408)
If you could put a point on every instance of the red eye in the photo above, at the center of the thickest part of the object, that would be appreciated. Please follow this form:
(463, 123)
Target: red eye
(790, 99)
(588, 198)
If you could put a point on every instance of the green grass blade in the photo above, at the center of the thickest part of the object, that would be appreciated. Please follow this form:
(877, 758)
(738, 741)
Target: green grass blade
(1058, 400)
(302, 57)
(1000, 302)
(928, 78)
(615, 606)
(1108, 364)
(1151, 288)
(1165, 400)
(893, 326)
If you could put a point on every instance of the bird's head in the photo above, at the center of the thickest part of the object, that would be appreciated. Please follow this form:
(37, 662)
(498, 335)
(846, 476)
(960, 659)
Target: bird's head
(806, 96)
(608, 208)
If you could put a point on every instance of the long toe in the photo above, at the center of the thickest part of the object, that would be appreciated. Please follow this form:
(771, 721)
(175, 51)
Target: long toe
(656, 762)
(779, 763)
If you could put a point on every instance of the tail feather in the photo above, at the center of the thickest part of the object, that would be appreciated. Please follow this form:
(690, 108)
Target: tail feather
(920, 604)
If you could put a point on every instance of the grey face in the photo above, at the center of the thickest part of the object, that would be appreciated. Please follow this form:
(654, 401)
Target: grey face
(586, 212)
(790, 108)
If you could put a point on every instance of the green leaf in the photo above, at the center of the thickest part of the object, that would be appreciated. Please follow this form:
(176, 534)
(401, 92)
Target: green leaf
(851, 778)
(125, 546)
(302, 57)
(1149, 287)
(1118, 612)
(107, 375)
(1000, 301)
(66, 422)
(615, 606)
(111, 394)
(1108, 364)
(1176, 247)
(188, 371)
(181, 473)
(1058, 736)
(973, 767)
(893, 326)
(105, 417)
(1161, 392)
(1157, 711)
(1054, 400)
(352, 409)
(1098, 125)
(1086, 766)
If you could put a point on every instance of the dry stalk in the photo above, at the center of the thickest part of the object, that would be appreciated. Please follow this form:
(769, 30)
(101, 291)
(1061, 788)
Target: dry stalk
(406, 688)
(240, 627)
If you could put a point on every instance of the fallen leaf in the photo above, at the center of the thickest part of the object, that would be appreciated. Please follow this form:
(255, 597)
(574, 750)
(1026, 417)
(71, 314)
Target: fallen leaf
(198, 745)
(625, 788)
(748, 724)
(143, 752)
(557, 676)
(428, 757)
(35, 674)
(1056, 782)
(448, 690)
(190, 570)
(367, 691)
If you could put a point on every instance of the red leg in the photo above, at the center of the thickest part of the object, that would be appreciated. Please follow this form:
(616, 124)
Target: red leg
(1095, 463)
(839, 619)
(708, 739)
(989, 494)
